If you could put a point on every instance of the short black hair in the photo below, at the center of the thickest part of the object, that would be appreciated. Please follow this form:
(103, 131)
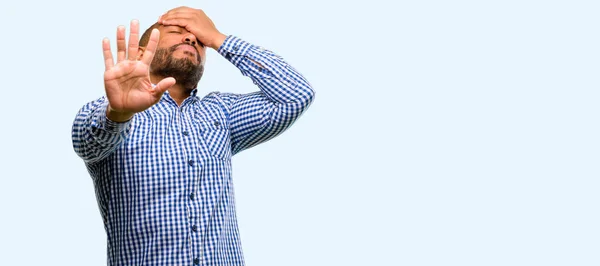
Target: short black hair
(146, 36)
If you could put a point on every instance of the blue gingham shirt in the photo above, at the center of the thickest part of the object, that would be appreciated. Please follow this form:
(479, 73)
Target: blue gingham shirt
(163, 179)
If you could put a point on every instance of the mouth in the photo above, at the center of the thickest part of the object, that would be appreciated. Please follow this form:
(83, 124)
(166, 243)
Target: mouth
(187, 49)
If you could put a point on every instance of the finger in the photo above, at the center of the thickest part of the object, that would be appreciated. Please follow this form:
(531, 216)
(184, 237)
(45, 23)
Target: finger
(178, 10)
(108, 58)
(151, 47)
(120, 43)
(181, 22)
(163, 85)
(134, 39)
(174, 22)
(176, 15)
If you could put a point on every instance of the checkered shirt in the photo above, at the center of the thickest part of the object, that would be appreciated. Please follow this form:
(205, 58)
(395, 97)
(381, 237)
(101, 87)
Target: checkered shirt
(163, 179)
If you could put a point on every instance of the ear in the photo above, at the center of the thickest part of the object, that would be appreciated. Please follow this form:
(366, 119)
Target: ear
(140, 53)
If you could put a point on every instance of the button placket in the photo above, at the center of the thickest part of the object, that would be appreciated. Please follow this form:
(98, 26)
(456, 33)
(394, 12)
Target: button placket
(193, 160)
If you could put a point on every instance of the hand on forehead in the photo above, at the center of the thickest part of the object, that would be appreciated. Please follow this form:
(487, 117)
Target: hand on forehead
(168, 27)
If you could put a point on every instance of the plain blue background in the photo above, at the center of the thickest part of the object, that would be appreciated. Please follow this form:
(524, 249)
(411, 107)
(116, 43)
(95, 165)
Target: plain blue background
(443, 132)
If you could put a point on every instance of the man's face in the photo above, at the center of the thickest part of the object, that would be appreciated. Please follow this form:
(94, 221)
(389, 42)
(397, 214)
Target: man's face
(179, 55)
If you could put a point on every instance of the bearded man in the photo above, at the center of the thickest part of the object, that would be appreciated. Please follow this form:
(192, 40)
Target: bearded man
(160, 157)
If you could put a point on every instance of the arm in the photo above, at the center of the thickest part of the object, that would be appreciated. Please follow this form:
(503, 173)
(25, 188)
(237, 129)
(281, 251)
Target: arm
(95, 136)
(101, 126)
(284, 95)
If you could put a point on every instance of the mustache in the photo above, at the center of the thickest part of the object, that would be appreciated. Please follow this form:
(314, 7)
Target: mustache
(174, 47)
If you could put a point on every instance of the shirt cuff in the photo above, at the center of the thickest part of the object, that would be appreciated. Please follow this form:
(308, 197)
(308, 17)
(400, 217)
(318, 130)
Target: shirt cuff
(234, 49)
(108, 125)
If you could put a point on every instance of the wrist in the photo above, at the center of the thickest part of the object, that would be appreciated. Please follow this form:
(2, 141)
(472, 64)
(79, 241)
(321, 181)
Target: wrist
(117, 116)
(218, 41)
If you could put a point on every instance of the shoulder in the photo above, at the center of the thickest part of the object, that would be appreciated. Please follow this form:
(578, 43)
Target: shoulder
(223, 100)
(214, 103)
(219, 98)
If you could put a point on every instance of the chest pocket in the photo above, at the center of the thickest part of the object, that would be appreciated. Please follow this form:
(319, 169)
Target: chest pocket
(216, 136)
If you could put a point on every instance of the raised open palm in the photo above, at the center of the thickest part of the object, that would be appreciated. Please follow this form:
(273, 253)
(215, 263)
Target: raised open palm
(127, 83)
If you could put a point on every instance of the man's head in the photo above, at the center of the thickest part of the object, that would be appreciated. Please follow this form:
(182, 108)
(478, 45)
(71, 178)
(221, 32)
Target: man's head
(178, 55)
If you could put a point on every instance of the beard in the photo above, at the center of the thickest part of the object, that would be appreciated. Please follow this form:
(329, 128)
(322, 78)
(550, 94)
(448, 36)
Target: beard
(185, 71)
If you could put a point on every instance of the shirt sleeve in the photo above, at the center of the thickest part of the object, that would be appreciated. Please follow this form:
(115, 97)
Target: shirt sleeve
(284, 94)
(94, 136)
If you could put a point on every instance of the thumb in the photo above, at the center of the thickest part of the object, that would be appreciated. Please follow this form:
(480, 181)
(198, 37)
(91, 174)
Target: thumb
(164, 85)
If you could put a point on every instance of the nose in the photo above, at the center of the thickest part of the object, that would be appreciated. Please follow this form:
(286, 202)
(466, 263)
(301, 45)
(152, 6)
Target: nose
(190, 39)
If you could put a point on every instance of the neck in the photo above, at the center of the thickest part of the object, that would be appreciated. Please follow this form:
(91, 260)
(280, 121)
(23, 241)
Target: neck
(177, 91)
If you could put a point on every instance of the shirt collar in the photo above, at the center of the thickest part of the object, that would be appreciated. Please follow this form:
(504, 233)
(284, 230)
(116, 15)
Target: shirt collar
(192, 96)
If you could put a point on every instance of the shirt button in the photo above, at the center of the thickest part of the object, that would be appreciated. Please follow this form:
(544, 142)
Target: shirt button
(237, 47)
(192, 196)
(191, 162)
(196, 261)
(217, 123)
(186, 133)
(194, 228)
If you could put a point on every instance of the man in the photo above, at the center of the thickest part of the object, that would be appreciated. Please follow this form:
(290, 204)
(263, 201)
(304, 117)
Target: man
(160, 157)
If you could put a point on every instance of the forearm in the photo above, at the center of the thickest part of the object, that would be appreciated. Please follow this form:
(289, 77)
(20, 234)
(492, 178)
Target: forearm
(95, 136)
(279, 81)
(284, 94)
